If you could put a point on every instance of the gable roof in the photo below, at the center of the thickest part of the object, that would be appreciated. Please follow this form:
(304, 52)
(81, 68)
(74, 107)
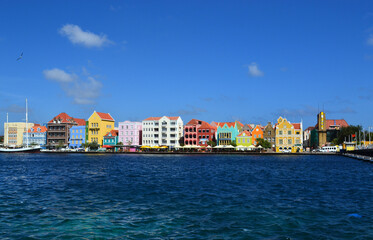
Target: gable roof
(230, 124)
(114, 133)
(248, 134)
(296, 125)
(35, 129)
(105, 116)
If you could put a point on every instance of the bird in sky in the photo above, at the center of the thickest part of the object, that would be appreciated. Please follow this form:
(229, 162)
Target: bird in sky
(20, 57)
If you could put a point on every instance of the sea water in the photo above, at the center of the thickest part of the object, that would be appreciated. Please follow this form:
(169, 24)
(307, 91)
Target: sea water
(103, 196)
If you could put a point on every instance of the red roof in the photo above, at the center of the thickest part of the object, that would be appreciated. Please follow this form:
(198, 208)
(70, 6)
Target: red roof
(157, 118)
(105, 116)
(246, 132)
(335, 122)
(229, 124)
(79, 121)
(35, 128)
(114, 133)
(296, 125)
(63, 117)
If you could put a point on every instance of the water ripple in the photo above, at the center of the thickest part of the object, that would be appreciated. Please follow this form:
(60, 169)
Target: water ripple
(73, 196)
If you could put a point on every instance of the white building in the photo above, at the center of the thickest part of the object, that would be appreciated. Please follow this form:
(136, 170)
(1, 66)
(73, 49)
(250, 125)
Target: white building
(162, 131)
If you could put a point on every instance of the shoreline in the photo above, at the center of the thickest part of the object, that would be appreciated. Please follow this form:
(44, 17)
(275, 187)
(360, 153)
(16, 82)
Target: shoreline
(196, 153)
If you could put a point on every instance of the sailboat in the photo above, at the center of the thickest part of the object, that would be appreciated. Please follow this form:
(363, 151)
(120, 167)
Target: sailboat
(27, 148)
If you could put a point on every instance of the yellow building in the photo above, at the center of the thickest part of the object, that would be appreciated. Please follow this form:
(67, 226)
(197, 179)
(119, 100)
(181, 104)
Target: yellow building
(13, 133)
(289, 136)
(99, 124)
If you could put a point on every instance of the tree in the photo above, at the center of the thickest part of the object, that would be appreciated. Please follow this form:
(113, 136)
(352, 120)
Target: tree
(60, 144)
(264, 143)
(93, 146)
(120, 143)
(233, 143)
(211, 143)
(346, 133)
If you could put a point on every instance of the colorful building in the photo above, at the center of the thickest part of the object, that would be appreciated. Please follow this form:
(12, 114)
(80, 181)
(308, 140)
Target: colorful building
(99, 124)
(78, 134)
(257, 132)
(111, 138)
(289, 136)
(13, 133)
(36, 135)
(162, 131)
(130, 133)
(197, 132)
(269, 134)
(244, 139)
(228, 131)
(59, 129)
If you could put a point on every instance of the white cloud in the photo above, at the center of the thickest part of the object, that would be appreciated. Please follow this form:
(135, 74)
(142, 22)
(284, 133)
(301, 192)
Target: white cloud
(254, 70)
(83, 90)
(370, 40)
(77, 36)
(58, 75)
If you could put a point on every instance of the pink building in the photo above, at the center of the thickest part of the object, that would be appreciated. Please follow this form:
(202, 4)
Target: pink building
(130, 133)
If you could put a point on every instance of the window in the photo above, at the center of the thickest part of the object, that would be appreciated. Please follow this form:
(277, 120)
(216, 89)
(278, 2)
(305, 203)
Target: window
(239, 140)
(279, 132)
(280, 141)
(254, 135)
(297, 141)
(289, 132)
(297, 133)
(289, 141)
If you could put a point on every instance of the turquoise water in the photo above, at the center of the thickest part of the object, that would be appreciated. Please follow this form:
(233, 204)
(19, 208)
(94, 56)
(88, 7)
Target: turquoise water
(73, 196)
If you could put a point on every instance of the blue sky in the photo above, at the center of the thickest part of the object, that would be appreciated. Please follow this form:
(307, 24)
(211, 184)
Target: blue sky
(213, 60)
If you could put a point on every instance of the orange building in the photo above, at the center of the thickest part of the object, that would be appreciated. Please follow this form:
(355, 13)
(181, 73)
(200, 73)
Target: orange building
(257, 132)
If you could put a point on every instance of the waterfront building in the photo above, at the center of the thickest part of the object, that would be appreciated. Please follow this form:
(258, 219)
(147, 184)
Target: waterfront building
(59, 129)
(269, 134)
(37, 135)
(78, 134)
(13, 133)
(244, 139)
(99, 124)
(162, 131)
(327, 129)
(130, 133)
(307, 137)
(228, 131)
(257, 132)
(197, 132)
(111, 138)
(289, 136)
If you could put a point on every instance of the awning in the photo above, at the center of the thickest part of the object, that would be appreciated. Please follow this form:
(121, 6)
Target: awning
(107, 146)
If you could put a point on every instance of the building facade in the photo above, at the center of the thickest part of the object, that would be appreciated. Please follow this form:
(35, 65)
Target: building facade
(269, 134)
(197, 132)
(227, 132)
(78, 135)
(59, 129)
(111, 138)
(257, 132)
(162, 131)
(289, 137)
(37, 135)
(13, 133)
(99, 124)
(130, 133)
(244, 139)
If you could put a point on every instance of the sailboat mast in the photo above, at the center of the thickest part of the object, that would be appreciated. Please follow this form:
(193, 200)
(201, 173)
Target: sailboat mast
(7, 129)
(26, 126)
